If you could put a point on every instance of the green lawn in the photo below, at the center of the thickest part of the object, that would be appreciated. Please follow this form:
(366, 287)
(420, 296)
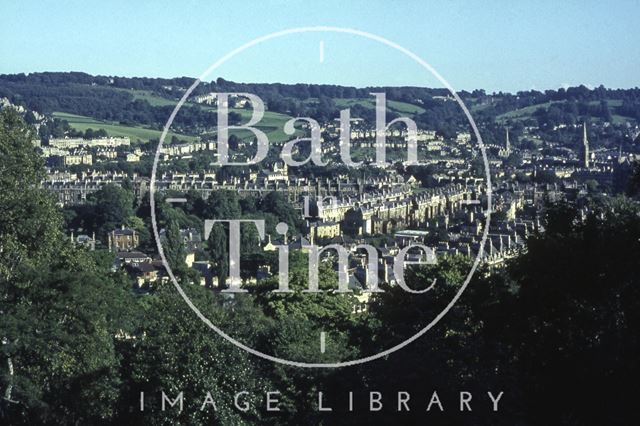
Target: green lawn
(83, 123)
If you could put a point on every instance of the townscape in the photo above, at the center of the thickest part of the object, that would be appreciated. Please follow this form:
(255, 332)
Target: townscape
(442, 201)
(340, 256)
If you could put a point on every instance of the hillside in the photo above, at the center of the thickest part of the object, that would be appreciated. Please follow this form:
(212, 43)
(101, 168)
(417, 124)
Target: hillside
(135, 133)
(617, 112)
(139, 107)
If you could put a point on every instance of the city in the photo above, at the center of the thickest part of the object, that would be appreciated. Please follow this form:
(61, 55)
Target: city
(337, 213)
(440, 198)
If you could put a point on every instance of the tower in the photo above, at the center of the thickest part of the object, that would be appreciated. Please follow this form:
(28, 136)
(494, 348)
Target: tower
(505, 151)
(507, 144)
(585, 143)
(620, 159)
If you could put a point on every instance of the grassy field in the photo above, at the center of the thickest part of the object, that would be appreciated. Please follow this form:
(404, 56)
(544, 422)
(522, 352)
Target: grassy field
(154, 100)
(527, 112)
(476, 107)
(83, 123)
(396, 106)
(272, 124)
(524, 113)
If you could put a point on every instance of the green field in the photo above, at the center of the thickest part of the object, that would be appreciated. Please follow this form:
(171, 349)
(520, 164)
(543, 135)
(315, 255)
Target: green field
(83, 123)
(524, 113)
(611, 102)
(154, 100)
(272, 124)
(527, 112)
(396, 106)
(476, 107)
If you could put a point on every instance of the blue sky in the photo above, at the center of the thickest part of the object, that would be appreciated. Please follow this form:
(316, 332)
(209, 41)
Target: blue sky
(495, 45)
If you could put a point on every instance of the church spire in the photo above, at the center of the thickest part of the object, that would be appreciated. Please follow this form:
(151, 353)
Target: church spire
(585, 143)
(507, 144)
(620, 159)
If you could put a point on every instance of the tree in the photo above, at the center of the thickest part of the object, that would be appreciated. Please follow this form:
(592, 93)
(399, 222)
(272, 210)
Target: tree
(175, 252)
(577, 315)
(326, 309)
(634, 181)
(276, 203)
(174, 351)
(218, 244)
(23, 236)
(109, 208)
(464, 350)
(60, 306)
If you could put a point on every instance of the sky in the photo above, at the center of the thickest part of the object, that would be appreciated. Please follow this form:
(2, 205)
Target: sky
(491, 45)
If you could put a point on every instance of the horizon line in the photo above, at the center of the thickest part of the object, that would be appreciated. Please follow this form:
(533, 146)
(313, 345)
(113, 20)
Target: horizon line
(541, 90)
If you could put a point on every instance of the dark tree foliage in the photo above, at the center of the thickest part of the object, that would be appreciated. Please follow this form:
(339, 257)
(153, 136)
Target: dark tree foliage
(578, 304)
(60, 305)
(110, 208)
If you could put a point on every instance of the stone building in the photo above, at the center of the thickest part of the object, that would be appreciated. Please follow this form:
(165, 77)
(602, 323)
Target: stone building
(123, 239)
